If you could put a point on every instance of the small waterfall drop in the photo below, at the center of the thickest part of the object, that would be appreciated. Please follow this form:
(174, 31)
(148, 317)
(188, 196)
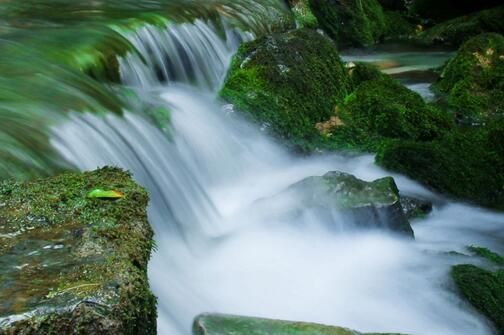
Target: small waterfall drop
(219, 252)
(191, 53)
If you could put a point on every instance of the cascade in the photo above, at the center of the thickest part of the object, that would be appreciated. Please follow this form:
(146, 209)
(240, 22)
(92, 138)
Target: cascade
(220, 252)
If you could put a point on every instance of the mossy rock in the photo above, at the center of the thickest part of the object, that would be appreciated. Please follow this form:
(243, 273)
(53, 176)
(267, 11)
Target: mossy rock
(288, 82)
(75, 264)
(218, 324)
(374, 204)
(474, 79)
(484, 290)
(303, 13)
(382, 109)
(467, 164)
(487, 254)
(351, 22)
(399, 27)
(456, 31)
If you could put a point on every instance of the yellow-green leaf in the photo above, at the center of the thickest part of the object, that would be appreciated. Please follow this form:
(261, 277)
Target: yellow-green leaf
(105, 194)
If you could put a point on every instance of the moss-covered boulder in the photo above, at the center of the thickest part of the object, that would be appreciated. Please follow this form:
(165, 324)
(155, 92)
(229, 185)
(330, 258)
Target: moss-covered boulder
(288, 82)
(484, 290)
(374, 204)
(351, 22)
(466, 163)
(381, 109)
(218, 324)
(399, 27)
(303, 14)
(474, 79)
(456, 31)
(73, 256)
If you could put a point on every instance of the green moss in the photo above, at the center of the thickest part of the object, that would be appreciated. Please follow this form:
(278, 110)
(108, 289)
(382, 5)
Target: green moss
(214, 324)
(465, 163)
(398, 27)
(382, 109)
(303, 13)
(288, 82)
(484, 290)
(351, 22)
(474, 79)
(84, 261)
(372, 205)
(457, 31)
(487, 254)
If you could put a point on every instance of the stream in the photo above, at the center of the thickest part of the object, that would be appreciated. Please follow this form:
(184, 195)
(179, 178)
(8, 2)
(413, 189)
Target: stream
(219, 249)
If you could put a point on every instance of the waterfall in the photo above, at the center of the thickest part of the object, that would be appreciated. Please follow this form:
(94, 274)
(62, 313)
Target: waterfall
(218, 251)
(190, 53)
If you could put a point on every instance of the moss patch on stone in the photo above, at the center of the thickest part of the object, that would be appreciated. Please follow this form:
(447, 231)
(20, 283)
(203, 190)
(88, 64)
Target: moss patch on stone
(375, 204)
(484, 290)
(303, 13)
(382, 109)
(351, 22)
(465, 163)
(288, 82)
(215, 324)
(474, 79)
(487, 254)
(73, 264)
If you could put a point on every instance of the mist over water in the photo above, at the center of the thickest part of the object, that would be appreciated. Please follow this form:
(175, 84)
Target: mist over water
(224, 243)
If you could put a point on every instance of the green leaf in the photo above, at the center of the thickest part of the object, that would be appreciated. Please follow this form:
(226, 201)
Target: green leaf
(103, 194)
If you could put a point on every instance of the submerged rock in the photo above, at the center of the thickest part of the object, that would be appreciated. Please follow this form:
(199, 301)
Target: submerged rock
(71, 264)
(217, 324)
(374, 204)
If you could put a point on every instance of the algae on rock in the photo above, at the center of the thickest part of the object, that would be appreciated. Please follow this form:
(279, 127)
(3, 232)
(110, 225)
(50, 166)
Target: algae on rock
(71, 264)
(369, 205)
(217, 324)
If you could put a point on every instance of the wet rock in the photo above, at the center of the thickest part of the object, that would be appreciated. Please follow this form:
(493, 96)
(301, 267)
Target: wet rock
(217, 324)
(473, 80)
(374, 204)
(415, 208)
(483, 289)
(70, 264)
(288, 82)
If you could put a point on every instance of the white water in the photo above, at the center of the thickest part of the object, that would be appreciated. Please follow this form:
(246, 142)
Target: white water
(219, 251)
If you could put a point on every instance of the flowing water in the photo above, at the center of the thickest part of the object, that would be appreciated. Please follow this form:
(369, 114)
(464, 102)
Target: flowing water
(222, 250)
